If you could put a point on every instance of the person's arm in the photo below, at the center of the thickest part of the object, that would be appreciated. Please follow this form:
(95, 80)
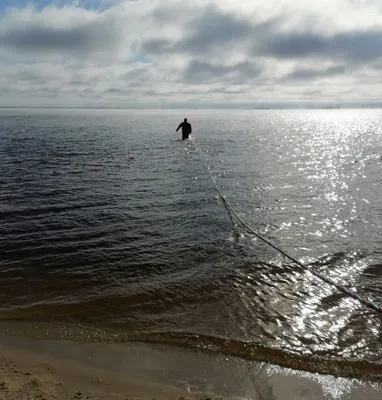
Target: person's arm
(190, 128)
(178, 127)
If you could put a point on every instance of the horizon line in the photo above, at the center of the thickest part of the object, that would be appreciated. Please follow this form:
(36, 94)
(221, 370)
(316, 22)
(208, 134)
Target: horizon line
(265, 107)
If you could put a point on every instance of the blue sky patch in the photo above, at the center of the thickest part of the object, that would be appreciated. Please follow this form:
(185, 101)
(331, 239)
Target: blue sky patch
(40, 4)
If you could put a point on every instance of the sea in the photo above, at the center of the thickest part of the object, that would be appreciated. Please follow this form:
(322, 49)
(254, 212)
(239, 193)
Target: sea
(113, 229)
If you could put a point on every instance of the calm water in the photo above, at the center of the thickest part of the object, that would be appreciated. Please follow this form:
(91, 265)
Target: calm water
(109, 221)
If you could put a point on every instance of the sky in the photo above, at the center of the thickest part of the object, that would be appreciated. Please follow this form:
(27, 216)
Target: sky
(190, 53)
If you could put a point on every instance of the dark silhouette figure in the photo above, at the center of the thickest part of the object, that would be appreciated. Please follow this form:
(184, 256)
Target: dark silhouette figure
(186, 129)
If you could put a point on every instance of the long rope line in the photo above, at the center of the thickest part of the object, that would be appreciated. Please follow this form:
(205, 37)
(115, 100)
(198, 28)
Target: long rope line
(329, 281)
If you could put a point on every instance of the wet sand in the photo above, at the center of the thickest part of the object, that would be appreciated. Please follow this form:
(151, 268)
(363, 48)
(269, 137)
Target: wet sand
(59, 369)
(44, 369)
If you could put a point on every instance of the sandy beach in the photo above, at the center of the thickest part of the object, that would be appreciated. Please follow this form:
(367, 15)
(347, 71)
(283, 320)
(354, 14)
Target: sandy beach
(26, 375)
(27, 372)
(59, 369)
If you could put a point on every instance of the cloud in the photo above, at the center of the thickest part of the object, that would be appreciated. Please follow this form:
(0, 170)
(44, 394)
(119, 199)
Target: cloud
(201, 72)
(212, 29)
(68, 30)
(171, 52)
(208, 32)
(357, 46)
(46, 38)
(304, 74)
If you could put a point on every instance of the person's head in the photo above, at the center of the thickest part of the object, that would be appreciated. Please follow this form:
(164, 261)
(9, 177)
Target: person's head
(185, 120)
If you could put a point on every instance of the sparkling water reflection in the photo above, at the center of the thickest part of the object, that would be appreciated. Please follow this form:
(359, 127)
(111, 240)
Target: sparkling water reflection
(109, 220)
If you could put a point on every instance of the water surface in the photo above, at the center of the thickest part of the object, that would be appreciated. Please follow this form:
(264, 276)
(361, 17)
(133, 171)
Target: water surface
(109, 221)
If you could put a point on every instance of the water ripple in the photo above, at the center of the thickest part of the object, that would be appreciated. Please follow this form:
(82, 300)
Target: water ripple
(108, 221)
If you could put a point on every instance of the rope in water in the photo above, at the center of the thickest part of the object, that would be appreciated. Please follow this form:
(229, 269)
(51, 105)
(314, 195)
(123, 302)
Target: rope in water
(329, 281)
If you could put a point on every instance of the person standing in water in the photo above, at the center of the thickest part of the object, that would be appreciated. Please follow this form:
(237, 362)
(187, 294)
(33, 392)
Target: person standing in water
(186, 129)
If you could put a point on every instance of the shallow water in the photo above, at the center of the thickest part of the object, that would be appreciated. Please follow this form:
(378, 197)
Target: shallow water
(108, 220)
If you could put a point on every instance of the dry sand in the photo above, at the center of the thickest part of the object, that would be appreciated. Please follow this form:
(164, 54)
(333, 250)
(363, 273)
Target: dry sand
(56, 370)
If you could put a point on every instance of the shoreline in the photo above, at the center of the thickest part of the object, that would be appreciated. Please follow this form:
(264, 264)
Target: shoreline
(68, 370)
(368, 370)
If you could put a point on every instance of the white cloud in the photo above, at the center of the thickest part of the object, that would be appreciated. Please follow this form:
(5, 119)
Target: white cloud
(165, 52)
